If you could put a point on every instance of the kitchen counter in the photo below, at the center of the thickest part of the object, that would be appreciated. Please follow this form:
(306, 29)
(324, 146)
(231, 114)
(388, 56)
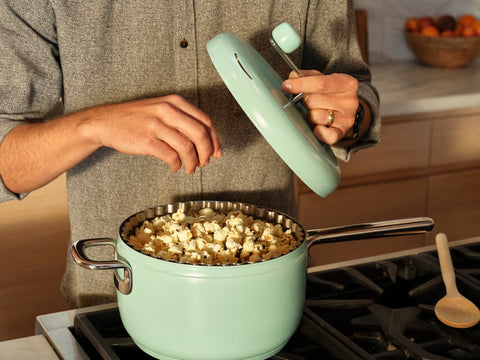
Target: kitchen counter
(28, 348)
(407, 87)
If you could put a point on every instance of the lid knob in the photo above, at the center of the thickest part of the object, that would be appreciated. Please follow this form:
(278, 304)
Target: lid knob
(286, 37)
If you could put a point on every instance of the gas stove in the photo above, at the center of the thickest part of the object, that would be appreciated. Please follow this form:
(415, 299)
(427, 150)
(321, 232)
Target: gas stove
(379, 307)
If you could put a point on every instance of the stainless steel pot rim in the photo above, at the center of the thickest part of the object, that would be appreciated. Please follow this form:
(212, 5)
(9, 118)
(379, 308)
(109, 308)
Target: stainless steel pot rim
(258, 212)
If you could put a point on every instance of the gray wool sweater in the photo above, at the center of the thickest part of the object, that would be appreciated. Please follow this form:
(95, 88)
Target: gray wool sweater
(86, 53)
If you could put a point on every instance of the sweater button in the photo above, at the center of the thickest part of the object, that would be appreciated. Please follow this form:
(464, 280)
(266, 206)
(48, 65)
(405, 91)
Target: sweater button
(183, 43)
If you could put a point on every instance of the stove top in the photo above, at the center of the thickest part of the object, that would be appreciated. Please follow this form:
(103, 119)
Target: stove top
(385, 309)
(376, 308)
(102, 336)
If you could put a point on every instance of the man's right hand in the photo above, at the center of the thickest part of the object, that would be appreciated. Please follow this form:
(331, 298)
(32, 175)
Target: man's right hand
(169, 128)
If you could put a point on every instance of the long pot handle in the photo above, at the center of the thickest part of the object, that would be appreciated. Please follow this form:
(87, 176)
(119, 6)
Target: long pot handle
(409, 226)
(79, 256)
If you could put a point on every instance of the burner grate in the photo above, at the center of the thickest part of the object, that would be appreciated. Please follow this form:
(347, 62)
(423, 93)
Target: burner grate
(103, 337)
(386, 309)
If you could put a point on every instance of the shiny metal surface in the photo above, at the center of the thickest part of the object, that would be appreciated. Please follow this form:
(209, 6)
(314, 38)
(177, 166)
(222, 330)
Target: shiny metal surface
(56, 329)
(78, 252)
(134, 221)
(255, 211)
(409, 226)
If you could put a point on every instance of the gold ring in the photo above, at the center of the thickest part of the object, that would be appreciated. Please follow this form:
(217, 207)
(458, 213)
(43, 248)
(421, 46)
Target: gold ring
(331, 118)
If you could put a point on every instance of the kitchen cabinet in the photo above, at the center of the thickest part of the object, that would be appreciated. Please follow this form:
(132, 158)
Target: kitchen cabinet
(33, 248)
(426, 164)
(454, 203)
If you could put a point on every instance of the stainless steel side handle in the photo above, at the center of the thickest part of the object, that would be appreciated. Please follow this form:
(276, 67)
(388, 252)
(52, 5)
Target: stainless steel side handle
(79, 256)
(408, 226)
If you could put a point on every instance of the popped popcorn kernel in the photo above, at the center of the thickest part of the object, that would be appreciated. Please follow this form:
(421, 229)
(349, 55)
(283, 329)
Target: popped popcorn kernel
(208, 237)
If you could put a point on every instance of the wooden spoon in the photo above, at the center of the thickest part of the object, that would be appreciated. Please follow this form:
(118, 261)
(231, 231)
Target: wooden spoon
(453, 309)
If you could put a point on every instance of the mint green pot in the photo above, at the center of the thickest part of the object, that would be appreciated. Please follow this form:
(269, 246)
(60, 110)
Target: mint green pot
(181, 311)
(177, 311)
(201, 312)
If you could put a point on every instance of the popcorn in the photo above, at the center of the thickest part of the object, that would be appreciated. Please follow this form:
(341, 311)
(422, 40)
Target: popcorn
(208, 237)
(219, 235)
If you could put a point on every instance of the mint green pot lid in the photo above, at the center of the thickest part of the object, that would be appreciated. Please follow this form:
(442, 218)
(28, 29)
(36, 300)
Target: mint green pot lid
(257, 89)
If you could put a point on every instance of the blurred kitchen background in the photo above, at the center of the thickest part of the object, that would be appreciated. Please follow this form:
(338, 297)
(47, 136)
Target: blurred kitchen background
(386, 22)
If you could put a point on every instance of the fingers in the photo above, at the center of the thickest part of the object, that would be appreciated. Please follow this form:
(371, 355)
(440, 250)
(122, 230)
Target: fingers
(330, 136)
(174, 148)
(315, 82)
(169, 128)
(199, 116)
(166, 153)
(294, 75)
(188, 131)
(187, 135)
(331, 101)
(330, 126)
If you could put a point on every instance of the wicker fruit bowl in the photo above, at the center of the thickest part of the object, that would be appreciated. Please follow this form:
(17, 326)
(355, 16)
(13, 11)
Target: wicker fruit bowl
(444, 52)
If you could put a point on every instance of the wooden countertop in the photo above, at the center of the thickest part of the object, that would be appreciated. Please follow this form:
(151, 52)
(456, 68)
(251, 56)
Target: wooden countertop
(407, 87)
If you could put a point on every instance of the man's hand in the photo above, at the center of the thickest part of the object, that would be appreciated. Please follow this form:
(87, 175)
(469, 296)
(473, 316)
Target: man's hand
(336, 93)
(169, 128)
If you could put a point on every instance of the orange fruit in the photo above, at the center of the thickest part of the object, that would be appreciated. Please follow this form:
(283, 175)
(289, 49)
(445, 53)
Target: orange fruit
(430, 31)
(447, 33)
(424, 22)
(467, 19)
(476, 26)
(411, 25)
(469, 31)
(458, 30)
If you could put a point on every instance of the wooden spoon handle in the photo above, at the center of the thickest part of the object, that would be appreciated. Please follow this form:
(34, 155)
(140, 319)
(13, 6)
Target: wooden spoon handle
(446, 265)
